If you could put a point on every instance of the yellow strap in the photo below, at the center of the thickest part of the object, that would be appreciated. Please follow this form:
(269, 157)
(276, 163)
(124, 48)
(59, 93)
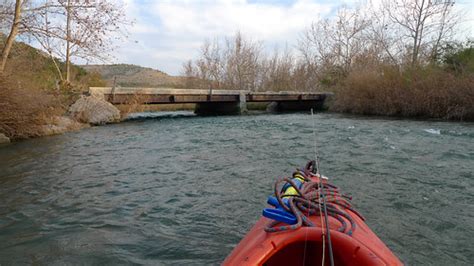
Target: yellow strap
(291, 191)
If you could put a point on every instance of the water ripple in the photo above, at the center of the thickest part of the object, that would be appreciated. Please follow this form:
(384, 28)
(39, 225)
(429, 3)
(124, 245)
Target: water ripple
(180, 189)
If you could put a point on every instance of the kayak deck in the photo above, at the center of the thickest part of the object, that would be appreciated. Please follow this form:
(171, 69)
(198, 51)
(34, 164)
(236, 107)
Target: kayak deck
(271, 242)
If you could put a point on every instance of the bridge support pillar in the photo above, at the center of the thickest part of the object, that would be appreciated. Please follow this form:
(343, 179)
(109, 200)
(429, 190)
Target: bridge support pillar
(243, 103)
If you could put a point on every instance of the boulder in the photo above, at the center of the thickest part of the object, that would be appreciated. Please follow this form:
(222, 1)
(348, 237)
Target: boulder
(4, 139)
(93, 110)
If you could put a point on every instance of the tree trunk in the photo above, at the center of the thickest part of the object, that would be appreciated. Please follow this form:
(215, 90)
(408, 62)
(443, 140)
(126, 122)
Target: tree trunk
(11, 36)
(420, 21)
(60, 74)
(68, 41)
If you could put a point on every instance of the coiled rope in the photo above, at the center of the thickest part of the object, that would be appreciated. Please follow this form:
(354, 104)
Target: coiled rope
(307, 202)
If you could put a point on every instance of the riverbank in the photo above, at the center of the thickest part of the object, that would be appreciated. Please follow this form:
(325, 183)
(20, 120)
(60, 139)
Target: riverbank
(29, 113)
(34, 99)
(100, 112)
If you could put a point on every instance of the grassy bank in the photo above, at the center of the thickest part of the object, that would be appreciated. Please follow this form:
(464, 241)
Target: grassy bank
(32, 94)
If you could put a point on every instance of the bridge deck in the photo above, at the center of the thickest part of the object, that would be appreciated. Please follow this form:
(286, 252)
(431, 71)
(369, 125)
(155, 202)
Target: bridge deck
(169, 95)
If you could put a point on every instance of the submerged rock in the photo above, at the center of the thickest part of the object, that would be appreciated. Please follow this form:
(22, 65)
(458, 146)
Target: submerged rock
(62, 124)
(93, 110)
(4, 139)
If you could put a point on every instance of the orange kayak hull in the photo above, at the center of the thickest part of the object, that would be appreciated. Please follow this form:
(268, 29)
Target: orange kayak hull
(303, 246)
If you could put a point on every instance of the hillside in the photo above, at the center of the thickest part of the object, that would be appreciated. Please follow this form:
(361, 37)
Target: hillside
(135, 76)
(32, 68)
(33, 100)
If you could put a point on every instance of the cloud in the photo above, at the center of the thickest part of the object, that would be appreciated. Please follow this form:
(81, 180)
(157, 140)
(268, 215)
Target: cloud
(171, 32)
(167, 33)
(225, 17)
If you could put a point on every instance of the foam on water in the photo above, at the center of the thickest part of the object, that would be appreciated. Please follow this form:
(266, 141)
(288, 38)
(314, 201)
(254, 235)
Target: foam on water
(433, 131)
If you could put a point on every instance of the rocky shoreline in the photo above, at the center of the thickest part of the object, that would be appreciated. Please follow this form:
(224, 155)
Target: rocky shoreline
(4, 139)
(87, 111)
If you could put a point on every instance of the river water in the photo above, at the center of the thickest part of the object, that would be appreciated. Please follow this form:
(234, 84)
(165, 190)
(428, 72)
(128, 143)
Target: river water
(180, 190)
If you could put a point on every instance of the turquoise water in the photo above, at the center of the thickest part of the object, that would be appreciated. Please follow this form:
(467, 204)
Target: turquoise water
(179, 190)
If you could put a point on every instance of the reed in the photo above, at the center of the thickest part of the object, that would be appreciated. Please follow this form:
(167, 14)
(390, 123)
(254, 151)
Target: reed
(425, 92)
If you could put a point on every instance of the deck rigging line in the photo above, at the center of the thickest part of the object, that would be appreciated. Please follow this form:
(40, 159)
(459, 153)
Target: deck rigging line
(308, 201)
(313, 198)
(316, 169)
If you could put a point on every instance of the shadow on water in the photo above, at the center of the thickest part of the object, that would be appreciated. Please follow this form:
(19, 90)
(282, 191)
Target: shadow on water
(159, 115)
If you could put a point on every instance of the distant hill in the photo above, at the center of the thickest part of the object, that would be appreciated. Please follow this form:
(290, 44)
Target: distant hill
(135, 76)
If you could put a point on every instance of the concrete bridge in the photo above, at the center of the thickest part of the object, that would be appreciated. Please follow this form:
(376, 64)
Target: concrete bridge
(212, 101)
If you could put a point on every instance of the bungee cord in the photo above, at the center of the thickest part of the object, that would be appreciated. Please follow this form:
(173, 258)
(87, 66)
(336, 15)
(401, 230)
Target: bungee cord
(308, 200)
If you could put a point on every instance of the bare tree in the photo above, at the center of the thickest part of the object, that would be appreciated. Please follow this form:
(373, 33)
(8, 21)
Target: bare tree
(329, 46)
(81, 29)
(212, 61)
(277, 71)
(66, 28)
(242, 62)
(208, 69)
(446, 30)
(234, 65)
(349, 36)
(317, 46)
(382, 37)
(425, 23)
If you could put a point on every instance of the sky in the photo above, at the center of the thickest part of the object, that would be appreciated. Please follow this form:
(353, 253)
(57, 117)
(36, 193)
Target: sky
(167, 33)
